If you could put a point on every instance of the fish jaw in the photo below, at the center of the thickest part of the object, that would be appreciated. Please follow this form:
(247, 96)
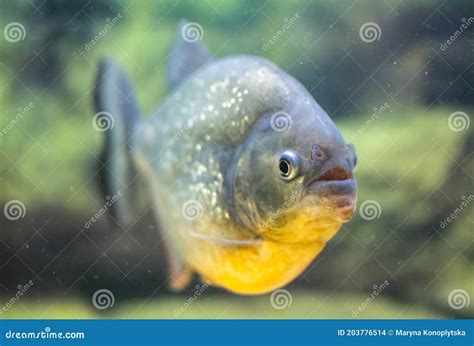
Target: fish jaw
(337, 195)
(317, 216)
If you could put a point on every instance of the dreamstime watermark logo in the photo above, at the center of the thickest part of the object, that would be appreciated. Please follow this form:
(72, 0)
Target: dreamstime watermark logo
(288, 202)
(192, 32)
(458, 121)
(370, 32)
(180, 132)
(109, 202)
(199, 115)
(192, 210)
(103, 299)
(22, 289)
(281, 121)
(288, 22)
(370, 210)
(14, 210)
(103, 32)
(377, 289)
(459, 299)
(21, 112)
(14, 32)
(456, 212)
(198, 290)
(103, 121)
(46, 334)
(377, 112)
(462, 28)
(281, 299)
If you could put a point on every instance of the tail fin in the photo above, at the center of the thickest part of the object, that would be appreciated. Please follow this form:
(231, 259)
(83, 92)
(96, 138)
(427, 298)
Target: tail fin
(117, 115)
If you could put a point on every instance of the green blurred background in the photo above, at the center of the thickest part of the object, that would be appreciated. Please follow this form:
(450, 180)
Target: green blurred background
(403, 100)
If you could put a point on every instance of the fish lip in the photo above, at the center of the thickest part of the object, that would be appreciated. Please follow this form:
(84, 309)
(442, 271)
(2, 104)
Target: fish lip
(335, 187)
(336, 173)
(340, 195)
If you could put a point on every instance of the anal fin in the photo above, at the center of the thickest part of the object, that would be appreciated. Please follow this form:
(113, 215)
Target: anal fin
(180, 278)
(180, 274)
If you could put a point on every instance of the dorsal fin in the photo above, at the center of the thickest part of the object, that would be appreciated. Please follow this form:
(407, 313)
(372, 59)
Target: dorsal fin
(187, 55)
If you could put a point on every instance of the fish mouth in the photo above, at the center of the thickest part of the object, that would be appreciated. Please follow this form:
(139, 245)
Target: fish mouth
(334, 189)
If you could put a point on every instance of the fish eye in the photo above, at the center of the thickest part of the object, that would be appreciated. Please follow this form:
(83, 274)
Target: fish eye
(288, 165)
(354, 156)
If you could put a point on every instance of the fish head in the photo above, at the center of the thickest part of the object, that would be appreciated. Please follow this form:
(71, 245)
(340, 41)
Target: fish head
(293, 180)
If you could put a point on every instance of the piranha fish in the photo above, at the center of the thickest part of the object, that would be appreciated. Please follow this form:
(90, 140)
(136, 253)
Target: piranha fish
(247, 177)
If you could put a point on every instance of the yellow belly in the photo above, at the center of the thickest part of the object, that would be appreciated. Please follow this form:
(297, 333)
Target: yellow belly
(287, 248)
(253, 269)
